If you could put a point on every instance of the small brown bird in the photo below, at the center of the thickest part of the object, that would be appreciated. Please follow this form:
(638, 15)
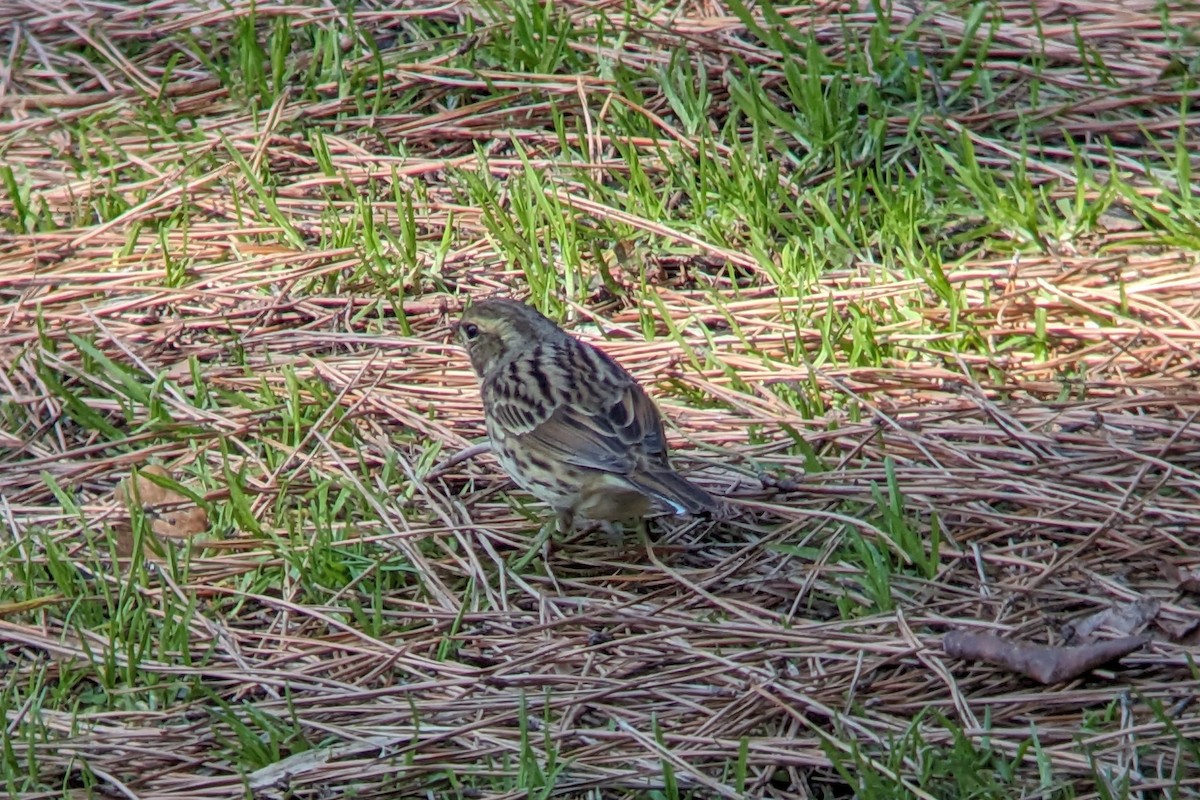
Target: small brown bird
(568, 424)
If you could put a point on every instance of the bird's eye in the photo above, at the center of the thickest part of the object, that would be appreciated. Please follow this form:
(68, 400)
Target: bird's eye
(470, 330)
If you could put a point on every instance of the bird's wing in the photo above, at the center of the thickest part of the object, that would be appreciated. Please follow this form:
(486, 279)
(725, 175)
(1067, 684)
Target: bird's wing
(621, 435)
(612, 426)
(624, 438)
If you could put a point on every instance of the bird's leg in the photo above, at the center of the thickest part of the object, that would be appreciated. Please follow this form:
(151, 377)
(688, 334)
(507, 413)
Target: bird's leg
(566, 522)
(613, 532)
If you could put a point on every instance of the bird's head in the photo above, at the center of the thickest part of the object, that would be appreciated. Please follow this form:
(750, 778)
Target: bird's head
(497, 330)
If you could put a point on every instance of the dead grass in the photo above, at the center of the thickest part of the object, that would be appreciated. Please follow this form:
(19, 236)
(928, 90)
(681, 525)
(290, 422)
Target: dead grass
(1063, 474)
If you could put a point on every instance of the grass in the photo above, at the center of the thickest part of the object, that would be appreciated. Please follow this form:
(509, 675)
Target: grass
(915, 286)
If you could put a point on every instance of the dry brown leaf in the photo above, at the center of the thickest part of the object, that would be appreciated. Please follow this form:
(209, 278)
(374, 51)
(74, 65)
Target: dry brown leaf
(1123, 619)
(1116, 220)
(1186, 633)
(171, 514)
(1187, 578)
(1043, 663)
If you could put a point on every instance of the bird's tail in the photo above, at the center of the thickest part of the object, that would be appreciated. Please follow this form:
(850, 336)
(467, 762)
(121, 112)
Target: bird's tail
(674, 491)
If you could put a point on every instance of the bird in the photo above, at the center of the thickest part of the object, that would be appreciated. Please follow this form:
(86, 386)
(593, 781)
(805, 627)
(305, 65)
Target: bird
(567, 423)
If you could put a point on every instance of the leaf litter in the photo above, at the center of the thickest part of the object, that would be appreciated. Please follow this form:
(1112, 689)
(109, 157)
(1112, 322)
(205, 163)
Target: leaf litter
(690, 647)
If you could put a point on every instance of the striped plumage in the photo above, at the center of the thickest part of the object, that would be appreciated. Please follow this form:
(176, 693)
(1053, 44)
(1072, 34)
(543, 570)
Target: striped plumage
(568, 424)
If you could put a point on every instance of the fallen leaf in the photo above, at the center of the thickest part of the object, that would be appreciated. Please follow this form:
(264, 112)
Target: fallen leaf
(1123, 619)
(1043, 663)
(171, 514)
(1187, 579)
(1118, 220)
(1186, 633)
